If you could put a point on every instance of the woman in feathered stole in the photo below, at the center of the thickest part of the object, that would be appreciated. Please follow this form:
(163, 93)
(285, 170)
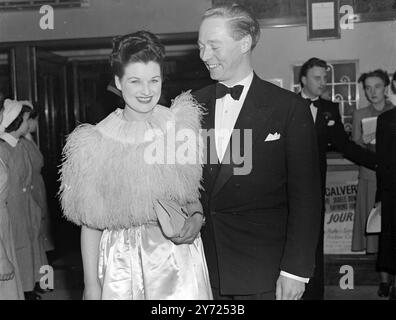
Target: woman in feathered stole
(114, 175)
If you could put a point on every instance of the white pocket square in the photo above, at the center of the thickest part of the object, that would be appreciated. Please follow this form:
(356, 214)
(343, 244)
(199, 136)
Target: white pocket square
(331, 123)
(273, 137)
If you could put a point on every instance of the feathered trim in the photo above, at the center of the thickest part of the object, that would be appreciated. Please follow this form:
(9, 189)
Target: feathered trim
(109, 178)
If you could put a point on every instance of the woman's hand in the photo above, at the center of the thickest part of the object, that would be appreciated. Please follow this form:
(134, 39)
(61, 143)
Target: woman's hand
(90, 239)
(92, 292)
(190, 230)
(6, 269)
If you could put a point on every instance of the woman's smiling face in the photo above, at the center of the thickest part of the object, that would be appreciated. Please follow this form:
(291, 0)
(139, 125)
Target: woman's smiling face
(141, 88)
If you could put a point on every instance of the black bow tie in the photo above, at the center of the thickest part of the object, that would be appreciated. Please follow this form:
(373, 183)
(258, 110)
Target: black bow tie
(315, 103)
(222, 90)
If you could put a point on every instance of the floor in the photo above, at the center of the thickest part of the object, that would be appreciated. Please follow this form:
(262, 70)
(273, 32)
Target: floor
(358, 293)
(332, 293)
(68, 283)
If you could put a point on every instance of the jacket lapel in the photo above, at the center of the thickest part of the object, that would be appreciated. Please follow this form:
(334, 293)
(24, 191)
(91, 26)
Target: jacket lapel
(320, 122)
(210, 154)
(209, 106)
(254, 115)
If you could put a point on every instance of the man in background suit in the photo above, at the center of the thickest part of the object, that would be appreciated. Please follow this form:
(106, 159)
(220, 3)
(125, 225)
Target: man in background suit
(263, 215)
(330, 131)
(386, 194)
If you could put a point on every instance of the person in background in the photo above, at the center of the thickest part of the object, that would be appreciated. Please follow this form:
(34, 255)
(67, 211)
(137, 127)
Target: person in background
(392, 91)
(18, 198)
(374, 85)
(386, 194)
(10, 279)
(38, 206)
(330, 131)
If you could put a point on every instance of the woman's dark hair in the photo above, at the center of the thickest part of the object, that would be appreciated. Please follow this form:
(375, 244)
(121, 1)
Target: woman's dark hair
(393, 87)
(383, 75)
(309, 64)
(141, 46)
(15, 125)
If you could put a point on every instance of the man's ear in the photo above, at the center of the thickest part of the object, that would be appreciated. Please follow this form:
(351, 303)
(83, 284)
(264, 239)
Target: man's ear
(117, 82)
(246, 43)
(304, 80)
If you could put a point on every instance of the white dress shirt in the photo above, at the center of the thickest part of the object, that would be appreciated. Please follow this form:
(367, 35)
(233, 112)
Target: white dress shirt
(314, 110)
(226, 114)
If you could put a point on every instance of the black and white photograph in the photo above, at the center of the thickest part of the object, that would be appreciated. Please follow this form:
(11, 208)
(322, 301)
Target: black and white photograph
(213, 151)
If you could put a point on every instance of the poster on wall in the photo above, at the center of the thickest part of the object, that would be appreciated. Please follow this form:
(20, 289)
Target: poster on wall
(340, 200)
(323, 19)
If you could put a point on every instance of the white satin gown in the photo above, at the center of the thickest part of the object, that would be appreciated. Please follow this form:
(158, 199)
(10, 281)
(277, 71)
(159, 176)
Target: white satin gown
(139, 263)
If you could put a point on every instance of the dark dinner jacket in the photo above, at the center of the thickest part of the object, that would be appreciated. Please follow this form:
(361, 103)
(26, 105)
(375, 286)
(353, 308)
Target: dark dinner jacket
(269, 219)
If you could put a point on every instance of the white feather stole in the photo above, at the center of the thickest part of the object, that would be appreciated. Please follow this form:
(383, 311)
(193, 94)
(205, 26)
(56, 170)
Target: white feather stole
(107, 181)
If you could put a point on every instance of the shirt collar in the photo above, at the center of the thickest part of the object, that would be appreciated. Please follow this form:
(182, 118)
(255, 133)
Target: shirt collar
(245, 82)
(11, 140)
(306, 97)
(388, 105)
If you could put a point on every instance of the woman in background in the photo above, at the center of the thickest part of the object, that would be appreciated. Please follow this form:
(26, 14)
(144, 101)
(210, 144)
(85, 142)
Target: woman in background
(10, 277)
(374, 85)
(38, 206)
(19, 197)
(386, 193)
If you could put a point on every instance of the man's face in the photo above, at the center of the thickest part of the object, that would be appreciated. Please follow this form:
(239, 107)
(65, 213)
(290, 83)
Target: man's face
(221, 54)
(315, 81)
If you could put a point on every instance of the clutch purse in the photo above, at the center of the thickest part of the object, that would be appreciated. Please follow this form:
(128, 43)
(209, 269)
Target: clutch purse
(171, 217)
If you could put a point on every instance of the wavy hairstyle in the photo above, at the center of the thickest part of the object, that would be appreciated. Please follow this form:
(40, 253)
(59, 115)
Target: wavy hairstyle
(141, 46)
(240, 19)
(379, 73)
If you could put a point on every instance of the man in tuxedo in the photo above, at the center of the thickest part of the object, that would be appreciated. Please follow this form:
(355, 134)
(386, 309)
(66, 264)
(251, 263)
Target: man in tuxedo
(330, 131)
(263, 214)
